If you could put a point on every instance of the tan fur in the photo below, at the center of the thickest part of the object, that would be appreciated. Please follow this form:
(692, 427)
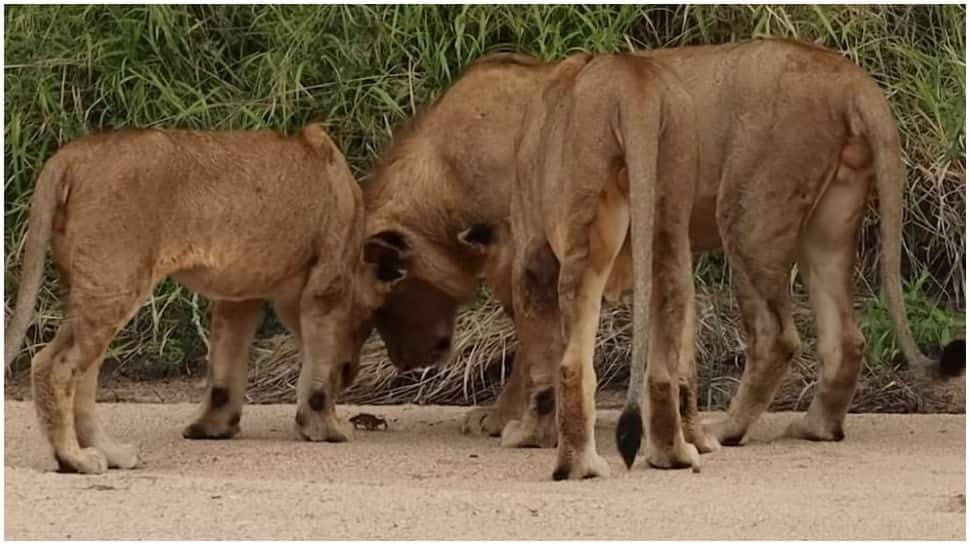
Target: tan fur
(239, 217)
(792, 137)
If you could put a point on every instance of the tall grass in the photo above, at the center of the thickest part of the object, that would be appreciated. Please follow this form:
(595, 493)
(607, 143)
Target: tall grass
(72, 70)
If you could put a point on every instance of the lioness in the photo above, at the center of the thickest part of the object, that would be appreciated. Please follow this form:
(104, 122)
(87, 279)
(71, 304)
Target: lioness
(792, 137)
(240, 217)
(606, 152)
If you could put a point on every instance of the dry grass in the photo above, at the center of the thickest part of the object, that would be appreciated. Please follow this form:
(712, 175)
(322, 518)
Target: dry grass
(486, 344)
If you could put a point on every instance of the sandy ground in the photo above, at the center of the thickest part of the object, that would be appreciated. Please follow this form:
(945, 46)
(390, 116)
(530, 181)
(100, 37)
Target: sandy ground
(893, 477)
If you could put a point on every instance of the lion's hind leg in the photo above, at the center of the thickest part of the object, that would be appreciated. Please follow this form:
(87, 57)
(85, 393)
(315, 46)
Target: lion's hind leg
(52, 385)
(56, 372)
(89, 430)
(675, 437)
(694, 432)
(582, 282)
(760, 226)
(772, 340)
(827, 262)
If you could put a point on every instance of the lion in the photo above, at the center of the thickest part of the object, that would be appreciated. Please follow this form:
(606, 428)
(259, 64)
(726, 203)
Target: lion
(793, 138)
(450, 168)
(238, 216)
(607, 152)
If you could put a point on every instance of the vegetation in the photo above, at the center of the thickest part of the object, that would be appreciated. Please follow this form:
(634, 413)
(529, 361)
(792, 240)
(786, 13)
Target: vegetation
(932, 326)
(71, 70)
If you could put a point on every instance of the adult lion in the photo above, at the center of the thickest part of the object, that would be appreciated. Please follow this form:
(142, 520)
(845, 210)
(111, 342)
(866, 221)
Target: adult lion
(804, 124)
(240, 217)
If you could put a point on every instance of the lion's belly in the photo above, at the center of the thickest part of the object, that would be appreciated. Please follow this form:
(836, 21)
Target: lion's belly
(232, 272)
(237, 285)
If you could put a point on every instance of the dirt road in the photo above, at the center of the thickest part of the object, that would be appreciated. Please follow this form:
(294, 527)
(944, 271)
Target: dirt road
(893, 477)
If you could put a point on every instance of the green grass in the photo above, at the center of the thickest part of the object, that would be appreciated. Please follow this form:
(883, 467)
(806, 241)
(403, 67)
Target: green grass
(933, 327)
(71, 70)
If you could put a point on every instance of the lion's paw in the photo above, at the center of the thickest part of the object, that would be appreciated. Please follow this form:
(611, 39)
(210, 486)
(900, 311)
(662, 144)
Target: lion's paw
(121, 455)
(482, 421)
(519, 434)
(588, 466)
(813, 429)
(705, 442)
(680, 456)
(726, 431)
(89, 461)
(205, 428)
(313, 426)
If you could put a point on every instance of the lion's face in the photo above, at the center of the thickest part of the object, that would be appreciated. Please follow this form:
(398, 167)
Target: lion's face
(416, 323)
(416, 319)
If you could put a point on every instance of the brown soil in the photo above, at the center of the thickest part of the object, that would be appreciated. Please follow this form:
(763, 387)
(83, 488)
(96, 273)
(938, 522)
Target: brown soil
(894, 476)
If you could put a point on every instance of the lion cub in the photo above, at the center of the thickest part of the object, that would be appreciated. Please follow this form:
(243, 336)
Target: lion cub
(606, 164)
(241, 217)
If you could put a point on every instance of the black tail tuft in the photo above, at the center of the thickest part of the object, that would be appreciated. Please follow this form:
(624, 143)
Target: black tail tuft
(629, 433)
(953, 360)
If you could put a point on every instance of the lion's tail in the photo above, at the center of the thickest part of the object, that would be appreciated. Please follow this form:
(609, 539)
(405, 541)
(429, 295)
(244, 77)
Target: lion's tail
(883, 138)
(640, 129)
(43, 206)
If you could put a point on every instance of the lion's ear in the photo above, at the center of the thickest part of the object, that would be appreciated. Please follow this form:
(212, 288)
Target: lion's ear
(393, 239)
(486, 238)
(386, 261)
(479, 236)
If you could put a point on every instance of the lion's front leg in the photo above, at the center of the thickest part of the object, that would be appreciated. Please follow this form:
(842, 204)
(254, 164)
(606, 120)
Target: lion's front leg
(233, 326)
(324, 371)
(316, 415)
(535, 425)
(511, 402)
(536, 272)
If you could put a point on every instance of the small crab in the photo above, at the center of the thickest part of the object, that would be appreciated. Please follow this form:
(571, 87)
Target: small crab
(368, 421)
